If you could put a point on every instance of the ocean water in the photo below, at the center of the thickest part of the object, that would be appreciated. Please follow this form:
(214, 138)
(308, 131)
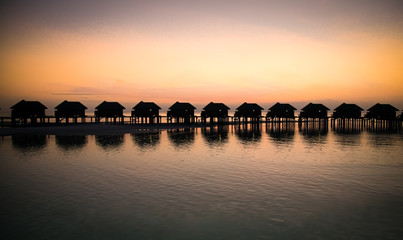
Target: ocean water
(231, 182)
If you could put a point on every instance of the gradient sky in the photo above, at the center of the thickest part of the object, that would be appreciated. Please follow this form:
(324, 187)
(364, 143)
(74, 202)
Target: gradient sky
(201, 51)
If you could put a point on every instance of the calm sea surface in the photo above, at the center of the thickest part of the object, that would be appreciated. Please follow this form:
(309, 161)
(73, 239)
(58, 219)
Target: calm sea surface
(228, 183)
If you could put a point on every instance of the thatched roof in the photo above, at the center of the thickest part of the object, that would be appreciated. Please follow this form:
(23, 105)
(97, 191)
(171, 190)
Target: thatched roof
(66, 105)
(146, 105)
(382, 107)
(212, 106)
(181, 106)
(109, 105)
(28, 105)
(282, 106)
(251, 106)
(348, 107)
(315, 107)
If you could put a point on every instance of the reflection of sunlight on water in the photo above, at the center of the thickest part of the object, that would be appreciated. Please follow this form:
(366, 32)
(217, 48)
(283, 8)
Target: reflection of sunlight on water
(350, 140)
(206, 183)
(381, 140)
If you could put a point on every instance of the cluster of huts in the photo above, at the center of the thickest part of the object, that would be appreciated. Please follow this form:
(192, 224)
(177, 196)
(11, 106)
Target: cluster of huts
(181, 112)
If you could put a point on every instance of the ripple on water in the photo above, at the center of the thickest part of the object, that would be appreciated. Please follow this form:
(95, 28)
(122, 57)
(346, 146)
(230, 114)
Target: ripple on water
(235, 182)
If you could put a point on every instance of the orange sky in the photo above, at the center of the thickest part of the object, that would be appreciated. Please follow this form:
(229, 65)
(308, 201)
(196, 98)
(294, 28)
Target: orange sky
(210, 58)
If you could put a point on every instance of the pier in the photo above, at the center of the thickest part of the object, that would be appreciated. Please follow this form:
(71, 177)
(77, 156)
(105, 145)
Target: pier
(345, 118)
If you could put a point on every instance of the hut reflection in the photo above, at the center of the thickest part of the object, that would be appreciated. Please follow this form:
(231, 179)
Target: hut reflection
(350, 139)
(181, 138)
(314, 132)
(108, 142)
(71, 142)
(146, 140)
(26, 143)
(348, 126)
(248, 133)
(281, 132)
(347, 130)
(215, 135)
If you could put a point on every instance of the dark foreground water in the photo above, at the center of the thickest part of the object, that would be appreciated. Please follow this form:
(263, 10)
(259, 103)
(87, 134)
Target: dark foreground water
(229, 183)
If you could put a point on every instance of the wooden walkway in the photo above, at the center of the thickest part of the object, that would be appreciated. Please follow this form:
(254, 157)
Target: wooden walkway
(335, 124)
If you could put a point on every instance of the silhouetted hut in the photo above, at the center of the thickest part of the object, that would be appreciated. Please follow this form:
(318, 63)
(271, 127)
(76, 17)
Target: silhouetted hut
(109, 110)
(181, 112)
(347, 111)
(68, 110)
(314, 111)
(146, 111)
(24, 110)
(249, 110)
(215, 110)
(347, 118)
(382, 112)
(281, 111)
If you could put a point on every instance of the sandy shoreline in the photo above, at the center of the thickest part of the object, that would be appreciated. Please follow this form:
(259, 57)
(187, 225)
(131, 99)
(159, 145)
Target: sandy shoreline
(89, 129)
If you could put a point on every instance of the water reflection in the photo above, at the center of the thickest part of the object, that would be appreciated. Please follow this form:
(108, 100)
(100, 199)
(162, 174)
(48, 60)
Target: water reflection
(216, 135)
(384, 140)
(383, 126)
(350, 139)
(181, 138)
(146, 140)
(27, 143)
(108, 142)
(248, 133)
(314, 132)
(71, 142)
(281, 132)
(347, 126)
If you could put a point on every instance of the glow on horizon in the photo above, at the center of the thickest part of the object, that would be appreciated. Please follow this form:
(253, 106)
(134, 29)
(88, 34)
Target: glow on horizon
(223, 61)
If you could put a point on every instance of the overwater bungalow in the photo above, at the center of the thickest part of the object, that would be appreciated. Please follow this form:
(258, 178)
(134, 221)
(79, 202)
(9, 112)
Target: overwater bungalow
(146, 112)
(347, 111)
(314, 111)
(109, 110)
(248, 111)
(66, 110)
(214, 111)
(382, 112)
(281, 112)
(181, 113)
(27, 110)
(347, 118)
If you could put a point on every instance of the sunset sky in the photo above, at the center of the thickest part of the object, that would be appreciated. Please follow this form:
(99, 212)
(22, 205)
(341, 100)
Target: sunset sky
(227, 51)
